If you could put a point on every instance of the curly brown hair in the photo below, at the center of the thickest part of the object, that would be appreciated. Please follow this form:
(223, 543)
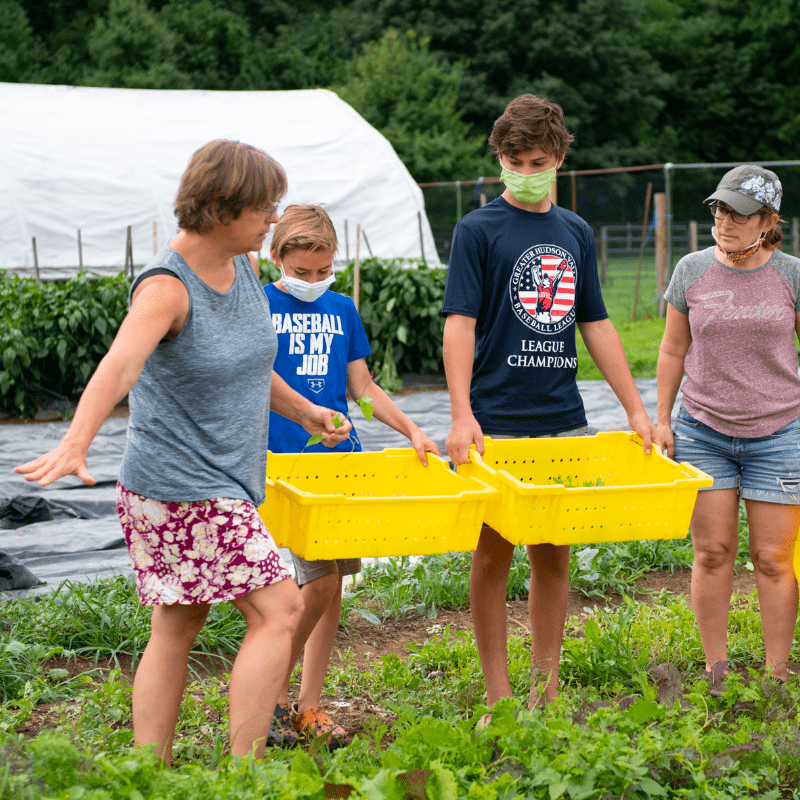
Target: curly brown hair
(223, 178)
(528, 122)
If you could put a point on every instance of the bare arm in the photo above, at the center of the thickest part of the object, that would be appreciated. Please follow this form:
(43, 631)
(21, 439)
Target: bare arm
(605, 347)
(360, 383)
(315, 419)
(669, 373)
(159, 309)
(458, 352)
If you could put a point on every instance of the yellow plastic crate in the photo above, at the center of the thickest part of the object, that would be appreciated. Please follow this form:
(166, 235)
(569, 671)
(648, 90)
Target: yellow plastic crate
(797, 559)
(641, 496)
(329, 505)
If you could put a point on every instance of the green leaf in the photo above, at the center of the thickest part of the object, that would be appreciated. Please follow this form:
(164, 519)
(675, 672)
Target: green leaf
(651, 788)
(367, 407)
(315, 439)
(402, 334)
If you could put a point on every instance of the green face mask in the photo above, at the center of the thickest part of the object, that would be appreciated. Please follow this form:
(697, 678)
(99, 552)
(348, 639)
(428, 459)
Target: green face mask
(529, 189)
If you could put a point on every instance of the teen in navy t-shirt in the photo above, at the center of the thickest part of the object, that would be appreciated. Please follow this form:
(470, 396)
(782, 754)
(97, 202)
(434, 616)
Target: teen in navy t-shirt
(526, 278)
(522, 275)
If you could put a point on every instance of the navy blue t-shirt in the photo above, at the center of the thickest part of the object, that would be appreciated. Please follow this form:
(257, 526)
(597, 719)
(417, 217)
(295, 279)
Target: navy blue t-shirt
(526, 278)
(316, 342)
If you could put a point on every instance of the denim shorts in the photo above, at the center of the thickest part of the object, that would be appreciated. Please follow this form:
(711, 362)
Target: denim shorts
(766, 468)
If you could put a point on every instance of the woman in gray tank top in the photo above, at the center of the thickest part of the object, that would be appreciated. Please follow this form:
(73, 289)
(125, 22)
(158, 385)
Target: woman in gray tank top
(195, 352)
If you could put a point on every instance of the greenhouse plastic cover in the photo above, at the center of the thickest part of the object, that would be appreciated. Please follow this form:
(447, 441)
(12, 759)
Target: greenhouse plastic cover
(98, 160)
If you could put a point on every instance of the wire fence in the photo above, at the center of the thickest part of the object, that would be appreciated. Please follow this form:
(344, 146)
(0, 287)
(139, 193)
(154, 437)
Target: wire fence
(615, 204)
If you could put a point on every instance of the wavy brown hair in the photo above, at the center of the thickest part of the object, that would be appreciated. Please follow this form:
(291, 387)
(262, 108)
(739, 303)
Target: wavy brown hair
(528, 122)
(774, 236)
(223, 178)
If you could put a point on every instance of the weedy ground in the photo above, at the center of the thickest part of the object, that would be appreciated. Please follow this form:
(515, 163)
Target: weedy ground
(636, 718)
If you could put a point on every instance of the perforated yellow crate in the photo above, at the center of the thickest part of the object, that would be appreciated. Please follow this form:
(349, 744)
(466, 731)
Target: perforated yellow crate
(797, 559)
(640, 497)
(329, 505)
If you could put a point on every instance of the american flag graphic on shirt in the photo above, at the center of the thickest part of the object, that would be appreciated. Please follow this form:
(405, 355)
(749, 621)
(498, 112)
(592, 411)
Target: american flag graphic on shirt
(542, 288)
(548, 286)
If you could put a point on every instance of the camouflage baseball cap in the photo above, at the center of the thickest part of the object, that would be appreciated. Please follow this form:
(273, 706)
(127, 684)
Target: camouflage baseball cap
(747, 188)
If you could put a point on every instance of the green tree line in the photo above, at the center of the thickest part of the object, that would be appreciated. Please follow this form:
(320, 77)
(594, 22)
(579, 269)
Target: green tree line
(641, 81)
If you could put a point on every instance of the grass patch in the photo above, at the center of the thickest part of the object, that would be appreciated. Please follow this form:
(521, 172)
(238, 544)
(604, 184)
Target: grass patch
(640, 337)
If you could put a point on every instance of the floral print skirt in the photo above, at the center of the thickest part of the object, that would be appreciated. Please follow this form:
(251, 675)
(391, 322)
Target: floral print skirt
(201, 552)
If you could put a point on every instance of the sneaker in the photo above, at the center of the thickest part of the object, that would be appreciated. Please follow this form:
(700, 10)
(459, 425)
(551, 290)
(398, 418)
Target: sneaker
(314, 723)
(281, 731)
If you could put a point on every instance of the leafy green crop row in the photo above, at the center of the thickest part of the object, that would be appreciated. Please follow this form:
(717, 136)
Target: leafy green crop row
(53, 335)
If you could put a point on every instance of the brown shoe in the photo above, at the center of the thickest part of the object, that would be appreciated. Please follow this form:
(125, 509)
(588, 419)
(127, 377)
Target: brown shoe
(314, 723)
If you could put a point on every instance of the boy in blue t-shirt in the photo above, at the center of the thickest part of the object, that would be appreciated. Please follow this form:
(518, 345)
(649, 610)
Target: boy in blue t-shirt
(522, 275)
(321, 350)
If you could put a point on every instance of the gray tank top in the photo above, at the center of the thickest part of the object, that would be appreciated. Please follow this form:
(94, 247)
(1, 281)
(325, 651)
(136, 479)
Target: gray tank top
(199, 413)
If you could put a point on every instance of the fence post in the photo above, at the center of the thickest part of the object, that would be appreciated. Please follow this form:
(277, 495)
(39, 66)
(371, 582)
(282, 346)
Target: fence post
(661, 250)
(458, 200)
(667, 219)
(80, 251)
(693, 236)
(604, 254)
(574, 188)
(421, 241)
(795, 236)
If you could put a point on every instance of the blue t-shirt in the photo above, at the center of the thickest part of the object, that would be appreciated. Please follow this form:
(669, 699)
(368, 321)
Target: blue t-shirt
(526, 278)
(316, 342)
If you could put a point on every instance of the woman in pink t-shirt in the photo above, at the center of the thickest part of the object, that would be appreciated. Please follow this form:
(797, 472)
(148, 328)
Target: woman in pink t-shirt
(731, 322)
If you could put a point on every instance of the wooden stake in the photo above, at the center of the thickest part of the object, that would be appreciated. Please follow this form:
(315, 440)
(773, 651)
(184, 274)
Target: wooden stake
(128, 253)
(80, 251)
(366, 242)
(357, 267)
(35, 260)
(693, 236)
(647, 196)
(421, 242)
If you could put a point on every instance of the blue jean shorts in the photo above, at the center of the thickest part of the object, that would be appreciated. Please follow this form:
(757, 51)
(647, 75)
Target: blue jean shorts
(766, 468)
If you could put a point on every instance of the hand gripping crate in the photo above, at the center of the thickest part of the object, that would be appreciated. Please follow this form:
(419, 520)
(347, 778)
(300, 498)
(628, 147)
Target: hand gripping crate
(330, 505)
(640, 497)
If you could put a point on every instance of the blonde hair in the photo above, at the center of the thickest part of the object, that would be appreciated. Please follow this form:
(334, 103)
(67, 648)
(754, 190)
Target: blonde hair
(223, 178)
(528, 122)
(303, 227)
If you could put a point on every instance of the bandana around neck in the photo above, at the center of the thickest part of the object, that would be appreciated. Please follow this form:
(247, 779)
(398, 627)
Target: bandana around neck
(736, 256)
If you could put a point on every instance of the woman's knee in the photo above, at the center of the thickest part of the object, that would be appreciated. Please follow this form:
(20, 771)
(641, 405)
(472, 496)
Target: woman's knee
(715, 555)
(771, 563)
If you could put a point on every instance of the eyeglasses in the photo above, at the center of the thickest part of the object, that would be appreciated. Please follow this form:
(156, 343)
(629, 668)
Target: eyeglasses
(272, 210)
(719, 212)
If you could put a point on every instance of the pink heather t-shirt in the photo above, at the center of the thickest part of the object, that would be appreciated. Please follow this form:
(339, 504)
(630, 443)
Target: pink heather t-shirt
(741, 367)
